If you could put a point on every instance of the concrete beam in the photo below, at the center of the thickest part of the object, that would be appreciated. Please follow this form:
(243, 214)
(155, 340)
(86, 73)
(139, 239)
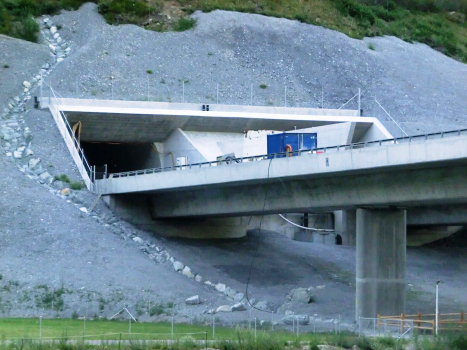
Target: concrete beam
(402, 188)
(381, 257)
(439, 215)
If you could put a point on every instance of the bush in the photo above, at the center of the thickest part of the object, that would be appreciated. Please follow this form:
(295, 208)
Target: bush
(77, 185)
(63, 178)
(30, 29)
(362, 13)
(184, 24)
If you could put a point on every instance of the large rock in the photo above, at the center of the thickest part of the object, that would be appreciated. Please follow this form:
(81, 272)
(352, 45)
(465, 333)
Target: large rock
(27, 85)
(187, 272)
(194, 300)
(178, 266)
(230, 292)
(224, 308)
(138, 240)
(239, 297)
(238, 307)
(46, 178)
(220, 287)
(293, 319)
(33, 162)
(199, 278)
(301, 295)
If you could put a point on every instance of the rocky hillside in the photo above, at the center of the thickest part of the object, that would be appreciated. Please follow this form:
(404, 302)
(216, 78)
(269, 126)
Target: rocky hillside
(58, 258)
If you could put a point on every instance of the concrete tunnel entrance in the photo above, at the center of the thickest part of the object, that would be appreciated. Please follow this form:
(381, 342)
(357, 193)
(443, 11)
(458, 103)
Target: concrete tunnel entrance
(120, 157)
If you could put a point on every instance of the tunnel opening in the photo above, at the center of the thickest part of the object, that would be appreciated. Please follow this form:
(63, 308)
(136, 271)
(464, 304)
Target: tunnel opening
(120, 157)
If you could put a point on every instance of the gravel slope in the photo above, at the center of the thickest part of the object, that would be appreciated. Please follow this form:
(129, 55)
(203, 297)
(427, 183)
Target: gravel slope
(47, 241)
(420, 87)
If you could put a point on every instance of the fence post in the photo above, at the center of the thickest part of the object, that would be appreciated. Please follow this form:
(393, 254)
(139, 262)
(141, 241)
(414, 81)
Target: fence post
(462, 316)
(378, 320)
(402, 323)
(419, 317)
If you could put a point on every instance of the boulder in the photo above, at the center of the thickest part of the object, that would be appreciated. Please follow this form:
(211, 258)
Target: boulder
(262, 305)
(224, 308)
(293, 319)
(301, 295)
(178, 266)
(239, 297)
(48, 23)
(138, 240)
(187, 272)
(33, 162)
(27, 85)
(220, 287)
(199, 278)
(230, 292)
(238, 307)
(65, 192)
(53, 30)
(194, 300)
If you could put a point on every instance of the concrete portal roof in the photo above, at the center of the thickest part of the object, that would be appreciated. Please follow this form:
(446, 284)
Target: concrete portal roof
(135, 121)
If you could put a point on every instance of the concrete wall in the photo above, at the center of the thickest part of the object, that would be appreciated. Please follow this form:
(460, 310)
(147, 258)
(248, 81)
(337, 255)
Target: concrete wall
(214, 144)
(375, 132)
(180, 145)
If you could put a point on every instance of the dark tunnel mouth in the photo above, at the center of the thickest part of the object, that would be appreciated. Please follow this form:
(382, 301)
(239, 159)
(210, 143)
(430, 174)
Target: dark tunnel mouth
(119, 156)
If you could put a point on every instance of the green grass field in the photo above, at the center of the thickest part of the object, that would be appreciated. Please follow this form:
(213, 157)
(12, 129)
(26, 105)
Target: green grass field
(68, 334)
(99, 329)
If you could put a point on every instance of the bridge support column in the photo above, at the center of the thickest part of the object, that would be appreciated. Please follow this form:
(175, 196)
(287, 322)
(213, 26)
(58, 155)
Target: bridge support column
(381, 256)
(345, 224)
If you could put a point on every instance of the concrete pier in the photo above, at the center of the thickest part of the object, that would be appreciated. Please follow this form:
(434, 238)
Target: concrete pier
(381, 256)
(345, 226)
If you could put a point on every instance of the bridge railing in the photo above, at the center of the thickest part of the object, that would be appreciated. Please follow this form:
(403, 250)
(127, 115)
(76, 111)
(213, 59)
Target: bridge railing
(72, 143)
(323, 150)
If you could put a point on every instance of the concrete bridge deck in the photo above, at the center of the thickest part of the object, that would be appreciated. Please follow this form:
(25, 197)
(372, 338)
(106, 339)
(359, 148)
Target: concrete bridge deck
(406, 172)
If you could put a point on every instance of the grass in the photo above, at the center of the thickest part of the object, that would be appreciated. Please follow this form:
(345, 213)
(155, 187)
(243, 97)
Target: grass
(19, 334)
(74, 185)
(184, 24)
(371, 46)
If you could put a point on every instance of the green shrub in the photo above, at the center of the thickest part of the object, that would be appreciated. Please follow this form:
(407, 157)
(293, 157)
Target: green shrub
(156, 310)
(149, 71)
(263, 86)
(30, 29)
(371, 46)
(184, 24)
(361, 12)
(77, 185)
(63, 178)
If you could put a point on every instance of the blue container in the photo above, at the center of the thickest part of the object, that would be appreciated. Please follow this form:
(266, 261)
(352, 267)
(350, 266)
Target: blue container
(277, 143)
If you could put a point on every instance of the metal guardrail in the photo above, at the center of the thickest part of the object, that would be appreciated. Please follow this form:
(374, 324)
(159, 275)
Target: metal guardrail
(75, 148)
(352, 146)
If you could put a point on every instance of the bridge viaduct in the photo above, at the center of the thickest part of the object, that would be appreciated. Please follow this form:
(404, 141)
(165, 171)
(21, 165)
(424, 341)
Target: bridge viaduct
(382, 179)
